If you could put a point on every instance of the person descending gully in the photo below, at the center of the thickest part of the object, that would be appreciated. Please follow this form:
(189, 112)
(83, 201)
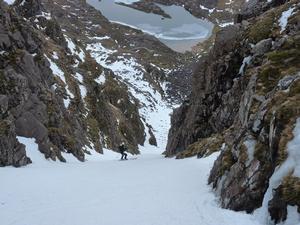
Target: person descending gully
(122, 150)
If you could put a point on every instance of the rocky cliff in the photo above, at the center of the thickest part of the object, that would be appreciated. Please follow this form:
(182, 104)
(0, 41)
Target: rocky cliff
(43, 92)
(77, 83)
(245, 103)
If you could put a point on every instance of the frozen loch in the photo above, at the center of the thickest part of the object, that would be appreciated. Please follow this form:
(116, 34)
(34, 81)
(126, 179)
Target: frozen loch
(180, 32)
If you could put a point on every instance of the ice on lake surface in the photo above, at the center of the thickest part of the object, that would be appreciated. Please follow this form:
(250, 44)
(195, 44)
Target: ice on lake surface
(180, 33)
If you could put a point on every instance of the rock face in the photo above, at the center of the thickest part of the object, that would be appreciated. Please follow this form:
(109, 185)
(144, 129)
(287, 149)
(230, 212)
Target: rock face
(247, 92)
(29, 8)
(257, 140)
(11, 151)
(56, 87)
(213, 85)
(26, 83)
(256, 7)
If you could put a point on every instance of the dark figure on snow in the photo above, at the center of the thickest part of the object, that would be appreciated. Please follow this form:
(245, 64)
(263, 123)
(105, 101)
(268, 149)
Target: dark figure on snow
(123, 149)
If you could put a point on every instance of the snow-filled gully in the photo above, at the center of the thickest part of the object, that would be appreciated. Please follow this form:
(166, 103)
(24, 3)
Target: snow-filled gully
(150, 190)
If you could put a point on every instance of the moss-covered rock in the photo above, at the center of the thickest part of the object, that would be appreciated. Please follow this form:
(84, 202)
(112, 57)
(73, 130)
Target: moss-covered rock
(261, 151)
(295, 88)
(288, 193)
(203, 147)
(224, 162)
(268, 78)
(262, 28)
(291, 190)
(227, 161)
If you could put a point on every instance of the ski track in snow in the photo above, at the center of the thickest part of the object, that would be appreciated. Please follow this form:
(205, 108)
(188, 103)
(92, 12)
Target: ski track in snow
(151, 190)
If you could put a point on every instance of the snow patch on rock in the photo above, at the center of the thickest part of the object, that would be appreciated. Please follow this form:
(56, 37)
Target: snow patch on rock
(32, 150)
(153, 107)
(283, 20)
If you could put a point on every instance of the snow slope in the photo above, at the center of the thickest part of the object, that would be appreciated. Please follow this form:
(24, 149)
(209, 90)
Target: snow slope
(151, 190)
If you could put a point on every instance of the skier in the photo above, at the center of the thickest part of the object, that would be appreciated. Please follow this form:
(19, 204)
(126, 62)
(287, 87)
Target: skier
(122, 149)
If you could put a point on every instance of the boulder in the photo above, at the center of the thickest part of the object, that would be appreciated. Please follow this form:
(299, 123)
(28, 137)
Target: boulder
(262, 47)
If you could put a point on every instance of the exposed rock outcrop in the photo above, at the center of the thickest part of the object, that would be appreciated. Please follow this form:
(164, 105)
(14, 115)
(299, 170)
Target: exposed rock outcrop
(286, 194)
(252, 101)
(28, 8)
(261, 130)
(12, 153)
(40, 96)
(60, 87)
(211, 108)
